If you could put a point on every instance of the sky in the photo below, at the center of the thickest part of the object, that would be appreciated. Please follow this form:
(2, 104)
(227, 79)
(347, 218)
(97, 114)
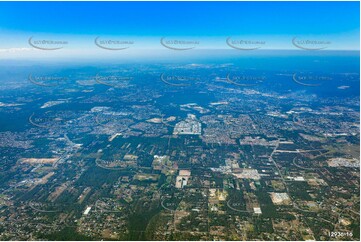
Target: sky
(272, 25)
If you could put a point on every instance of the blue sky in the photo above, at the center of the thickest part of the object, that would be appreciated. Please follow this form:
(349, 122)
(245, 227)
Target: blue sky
(210, 22)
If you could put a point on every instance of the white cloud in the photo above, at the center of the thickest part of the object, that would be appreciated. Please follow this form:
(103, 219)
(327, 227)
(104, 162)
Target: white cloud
(15, 50)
